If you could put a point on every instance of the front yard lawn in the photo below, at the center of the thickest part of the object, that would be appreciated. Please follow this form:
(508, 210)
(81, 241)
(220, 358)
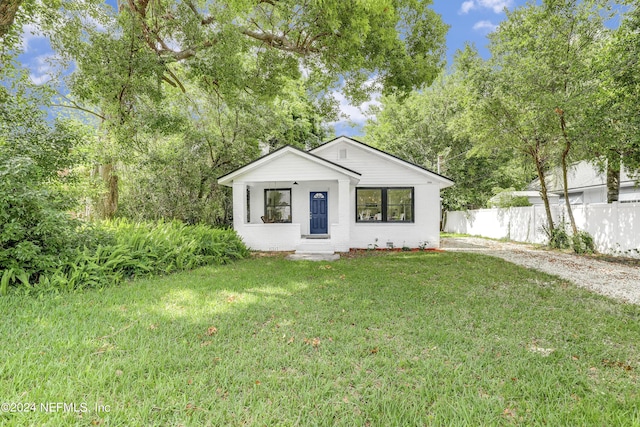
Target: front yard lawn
(399, 339)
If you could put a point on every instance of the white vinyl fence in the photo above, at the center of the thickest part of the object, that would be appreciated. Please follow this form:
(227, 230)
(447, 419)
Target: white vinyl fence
(615, 227)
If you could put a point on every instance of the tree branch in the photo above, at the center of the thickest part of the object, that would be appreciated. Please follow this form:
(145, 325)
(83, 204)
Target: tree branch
(75, 106)
(203, 20)
(280, 42)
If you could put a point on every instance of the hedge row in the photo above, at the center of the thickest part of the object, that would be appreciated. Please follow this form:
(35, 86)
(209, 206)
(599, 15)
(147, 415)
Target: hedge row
(117, 250)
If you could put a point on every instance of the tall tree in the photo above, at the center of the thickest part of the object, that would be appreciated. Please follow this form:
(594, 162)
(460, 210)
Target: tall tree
(616, 108)
(540, 80)
(190, 141)
(400, 42)
(422, 129)
(242, 48)
(554, 44)
(501, 114)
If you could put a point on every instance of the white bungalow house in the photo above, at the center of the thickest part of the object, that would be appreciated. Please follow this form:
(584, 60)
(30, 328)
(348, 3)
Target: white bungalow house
(343, 194)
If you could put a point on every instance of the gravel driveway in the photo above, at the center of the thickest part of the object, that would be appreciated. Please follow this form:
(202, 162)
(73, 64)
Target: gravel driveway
(618, 281)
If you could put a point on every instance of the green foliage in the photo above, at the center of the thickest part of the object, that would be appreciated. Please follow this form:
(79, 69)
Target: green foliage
(188, 143)
(558, 236)
(513, 202)
(36, 232)
(165, 247)
(423, 128)
(143, 249)
(531, 96)
(615, 111)
(182, 92)
(583, 243)
(519, 201)
(507, 199)
(118, 250)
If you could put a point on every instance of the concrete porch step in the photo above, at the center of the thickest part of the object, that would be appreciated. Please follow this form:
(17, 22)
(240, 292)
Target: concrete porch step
(316, 236)
(307, 252)
(313, 256)
(318, 246)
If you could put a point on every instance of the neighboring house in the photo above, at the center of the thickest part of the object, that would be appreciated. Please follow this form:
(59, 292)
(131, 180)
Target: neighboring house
(343, 194)
(588, 185)
(533, 197)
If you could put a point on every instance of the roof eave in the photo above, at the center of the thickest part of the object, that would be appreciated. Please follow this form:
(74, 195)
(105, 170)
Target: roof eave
(227, 179)
(444, 182)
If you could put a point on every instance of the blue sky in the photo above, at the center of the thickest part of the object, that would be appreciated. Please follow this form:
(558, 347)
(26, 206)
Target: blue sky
(469, 21)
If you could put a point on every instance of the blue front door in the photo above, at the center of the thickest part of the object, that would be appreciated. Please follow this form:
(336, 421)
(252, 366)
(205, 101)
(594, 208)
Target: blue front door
(318, 212)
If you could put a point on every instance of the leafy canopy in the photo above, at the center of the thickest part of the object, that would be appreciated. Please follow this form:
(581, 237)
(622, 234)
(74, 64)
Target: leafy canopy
(399, 43)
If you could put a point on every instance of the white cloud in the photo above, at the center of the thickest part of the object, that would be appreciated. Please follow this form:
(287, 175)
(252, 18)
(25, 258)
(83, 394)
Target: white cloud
(355, 116)
(485, 26)
(496, 5)
(39, 80)
(467, 6)
(348, 111)
(30, 32)
(42, 69)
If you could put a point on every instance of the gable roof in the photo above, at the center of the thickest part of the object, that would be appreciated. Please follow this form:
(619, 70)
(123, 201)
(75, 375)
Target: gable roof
(443, 180)
(228, 178)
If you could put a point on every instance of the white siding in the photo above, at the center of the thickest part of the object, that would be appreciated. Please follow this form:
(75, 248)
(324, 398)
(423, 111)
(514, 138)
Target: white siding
(425, 230)
(595, 195)
(379, 171)
(290, 167)
(299, 200)
(375, 168)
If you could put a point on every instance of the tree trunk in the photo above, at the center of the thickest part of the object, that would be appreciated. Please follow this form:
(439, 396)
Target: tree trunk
(543, 190)
(107, 205)
(565, 183)
(613, 177)
(8, 10)
(566, 194)
(443, 219)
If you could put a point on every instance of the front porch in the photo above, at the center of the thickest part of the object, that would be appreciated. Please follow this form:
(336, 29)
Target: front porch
(304, 216)
(287, 237)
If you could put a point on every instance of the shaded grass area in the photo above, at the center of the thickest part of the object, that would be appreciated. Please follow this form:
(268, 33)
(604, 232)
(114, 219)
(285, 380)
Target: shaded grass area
(387, 339)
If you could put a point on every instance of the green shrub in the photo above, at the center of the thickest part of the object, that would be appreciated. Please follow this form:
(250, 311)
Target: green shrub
(169, 246)
(120, 249)
(507, 199)
(558, 237)
(36, 234)
(583, 243)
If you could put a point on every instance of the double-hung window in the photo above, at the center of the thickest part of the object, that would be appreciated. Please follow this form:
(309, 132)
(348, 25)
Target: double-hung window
(384, 204)
(277, 205)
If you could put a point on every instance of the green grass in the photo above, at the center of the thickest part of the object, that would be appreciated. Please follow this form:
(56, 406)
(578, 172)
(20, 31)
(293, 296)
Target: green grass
(444, 234)
(401, 339)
